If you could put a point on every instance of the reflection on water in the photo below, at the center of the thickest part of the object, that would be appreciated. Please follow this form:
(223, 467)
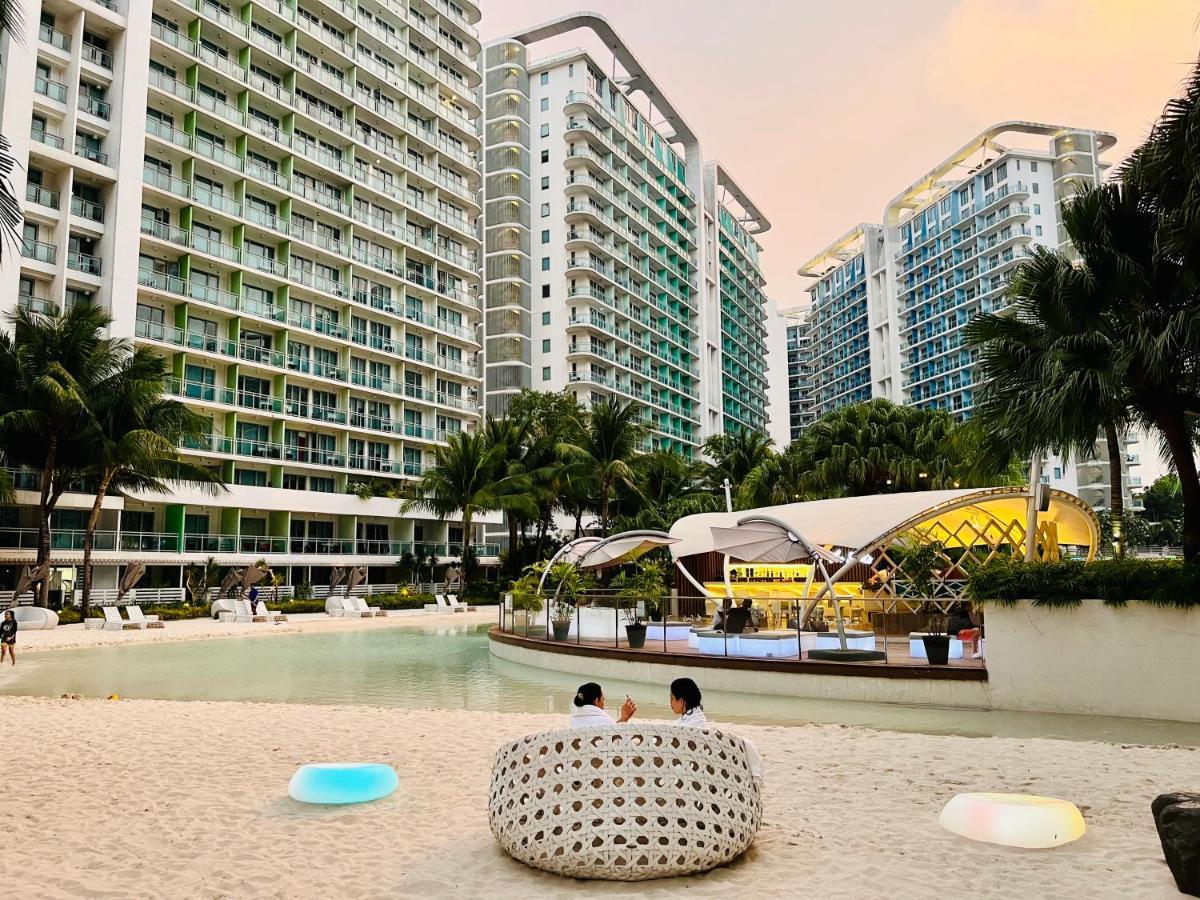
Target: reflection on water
(449, 667)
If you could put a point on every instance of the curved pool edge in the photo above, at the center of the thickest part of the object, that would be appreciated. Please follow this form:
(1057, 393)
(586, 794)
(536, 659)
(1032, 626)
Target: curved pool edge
(955, 688)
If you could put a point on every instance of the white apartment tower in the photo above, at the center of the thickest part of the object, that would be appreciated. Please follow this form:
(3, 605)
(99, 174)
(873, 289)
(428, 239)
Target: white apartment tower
(616, 261)
(279, 196)
(890, 301)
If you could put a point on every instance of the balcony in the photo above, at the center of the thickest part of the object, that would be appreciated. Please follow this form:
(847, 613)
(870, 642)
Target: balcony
(45, 137)
(51, 89)
(95, 106)
(48, 35)
(83, 262)
(87, 209)
(35, 193)
(36, 304)
(96, 56)
(39, 250)
(87, 151)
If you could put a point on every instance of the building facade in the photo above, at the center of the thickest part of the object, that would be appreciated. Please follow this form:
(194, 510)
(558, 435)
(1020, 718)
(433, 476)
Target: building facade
(597, 279)
(801, 411)
(890, 301)
(299, 180)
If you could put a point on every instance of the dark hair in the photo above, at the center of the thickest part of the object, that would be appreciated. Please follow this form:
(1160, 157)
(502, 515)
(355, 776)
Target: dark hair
(688, 691)
(588, 694)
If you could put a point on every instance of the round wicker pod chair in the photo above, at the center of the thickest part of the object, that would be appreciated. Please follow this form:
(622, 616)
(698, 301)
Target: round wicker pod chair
(625, 803)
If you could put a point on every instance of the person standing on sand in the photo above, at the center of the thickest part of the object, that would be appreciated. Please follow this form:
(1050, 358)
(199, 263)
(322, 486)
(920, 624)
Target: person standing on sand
(8, 636)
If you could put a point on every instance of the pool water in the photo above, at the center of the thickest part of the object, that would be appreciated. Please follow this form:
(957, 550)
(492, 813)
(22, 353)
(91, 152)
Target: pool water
(450, 667)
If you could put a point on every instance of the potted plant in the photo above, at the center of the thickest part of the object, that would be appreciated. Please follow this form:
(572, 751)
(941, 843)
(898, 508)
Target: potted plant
(642, 592)
(525, 599)
(921, 563)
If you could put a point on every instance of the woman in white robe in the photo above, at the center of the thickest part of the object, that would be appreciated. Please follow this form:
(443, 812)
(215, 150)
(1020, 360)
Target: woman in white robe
(589, 708)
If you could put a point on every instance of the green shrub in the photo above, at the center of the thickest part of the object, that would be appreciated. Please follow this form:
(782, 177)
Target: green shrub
(1069, 582)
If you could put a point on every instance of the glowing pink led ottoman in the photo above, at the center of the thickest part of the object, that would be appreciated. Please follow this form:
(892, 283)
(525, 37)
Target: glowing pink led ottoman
(1013, 820)
(342, 782)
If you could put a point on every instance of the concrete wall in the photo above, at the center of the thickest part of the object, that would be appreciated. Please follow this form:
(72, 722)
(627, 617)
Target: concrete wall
(1139, 661)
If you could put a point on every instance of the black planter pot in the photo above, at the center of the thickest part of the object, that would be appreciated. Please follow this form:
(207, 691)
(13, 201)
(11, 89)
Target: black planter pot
(561, 630)
(636, 635)
(937, 648)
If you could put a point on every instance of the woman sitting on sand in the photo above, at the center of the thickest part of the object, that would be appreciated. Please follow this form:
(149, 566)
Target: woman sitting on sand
(685, 703)
(589, 708)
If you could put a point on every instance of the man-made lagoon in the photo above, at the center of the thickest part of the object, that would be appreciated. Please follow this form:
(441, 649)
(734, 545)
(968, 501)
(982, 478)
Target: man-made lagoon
(450, 667)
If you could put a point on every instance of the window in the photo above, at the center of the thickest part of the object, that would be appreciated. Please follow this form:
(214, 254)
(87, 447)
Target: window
(545, 264)
(1037, 230)
(545, 318)
(1035, 187)
(546, 345)
(545, 373)
(545, 156)
(545, 78)
(545, 210)
(1033, 165)
(1058, 472)
(544, 131)
(545, 182)
(545, 290)
(546, 236)
(251, 477)
(1002, 171)
(545, 104)
(1037, 209)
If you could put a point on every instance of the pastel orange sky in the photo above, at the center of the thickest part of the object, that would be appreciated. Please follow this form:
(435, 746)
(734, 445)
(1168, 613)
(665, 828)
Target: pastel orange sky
(823, 111)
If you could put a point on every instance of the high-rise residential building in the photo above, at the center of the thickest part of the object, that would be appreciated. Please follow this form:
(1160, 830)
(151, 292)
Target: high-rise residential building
(616, 262)
(890, 301)
(280, 198)
(801, 412)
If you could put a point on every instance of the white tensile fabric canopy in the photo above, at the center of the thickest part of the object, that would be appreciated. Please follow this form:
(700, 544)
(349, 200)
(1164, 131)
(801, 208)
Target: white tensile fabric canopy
(861, 523)
(621, 548)
(757, 540)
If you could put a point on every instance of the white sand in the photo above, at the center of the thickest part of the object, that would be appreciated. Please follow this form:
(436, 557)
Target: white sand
(74, 636)
(150, 798)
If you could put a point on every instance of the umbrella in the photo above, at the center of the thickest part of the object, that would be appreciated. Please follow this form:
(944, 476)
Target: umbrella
(133, 574)
(229, 582)
(622, 548)
(756, 539)
(29, 577)
(357, 576)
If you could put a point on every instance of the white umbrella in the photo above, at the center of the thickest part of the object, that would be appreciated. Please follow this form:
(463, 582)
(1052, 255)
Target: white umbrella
(762, 540)
(133, 574)
(622, 548)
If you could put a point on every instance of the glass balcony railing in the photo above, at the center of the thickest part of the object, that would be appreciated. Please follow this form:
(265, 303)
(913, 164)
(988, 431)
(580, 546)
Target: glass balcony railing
(39, 250)
(89, 151)
(83, 262)
(94, 106)
(35, 193)
(51, 89)
(87, 209)
(45, 137)
(101, 58)
(48, 35)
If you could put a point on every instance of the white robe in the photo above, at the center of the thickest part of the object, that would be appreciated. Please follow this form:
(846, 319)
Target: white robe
(695, 718)
(590, 717)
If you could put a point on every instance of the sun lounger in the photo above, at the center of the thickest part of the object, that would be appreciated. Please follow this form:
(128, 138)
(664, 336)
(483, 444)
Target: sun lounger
(359, 604)
(442, 605)
(90, 623)
(271, 614)
(114, 622)
(457, 605)
(242, 612)
(135, 615)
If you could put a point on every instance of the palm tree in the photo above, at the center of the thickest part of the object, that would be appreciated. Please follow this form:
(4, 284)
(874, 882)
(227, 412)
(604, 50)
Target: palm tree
(734, 456)
(1050, 378)
(133, 443)
(10, 209)
(513, 435)
(667, 487)
(609, 440)
(468, 476)
(50, 367)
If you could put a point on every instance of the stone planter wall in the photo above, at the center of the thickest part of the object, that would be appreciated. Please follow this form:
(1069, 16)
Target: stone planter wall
(1138, 661)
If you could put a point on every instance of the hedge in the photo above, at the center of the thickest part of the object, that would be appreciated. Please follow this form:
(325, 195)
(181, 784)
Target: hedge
(1117, 582)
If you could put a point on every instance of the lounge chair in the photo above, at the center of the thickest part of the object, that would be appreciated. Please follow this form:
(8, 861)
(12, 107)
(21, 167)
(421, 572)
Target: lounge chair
(114, 622)
(89, 623)
(361, 603)
(135, 615)
(356, 608)
(271, 614)
(458, 605)
(442, 605)
(243, 613)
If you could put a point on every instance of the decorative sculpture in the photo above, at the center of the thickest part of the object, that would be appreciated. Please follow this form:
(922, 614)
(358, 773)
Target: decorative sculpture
(358, 575)
(336, 576)
(29, 578)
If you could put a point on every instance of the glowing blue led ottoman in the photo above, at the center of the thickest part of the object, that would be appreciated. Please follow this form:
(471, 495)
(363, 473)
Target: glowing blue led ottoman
(342, 782)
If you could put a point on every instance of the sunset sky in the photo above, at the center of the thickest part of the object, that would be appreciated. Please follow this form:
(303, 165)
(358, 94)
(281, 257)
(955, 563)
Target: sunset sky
(823, 111)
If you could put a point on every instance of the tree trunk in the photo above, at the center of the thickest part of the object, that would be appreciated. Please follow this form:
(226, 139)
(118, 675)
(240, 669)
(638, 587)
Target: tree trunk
(603, 510)
(1179, 441)
(466, 546)
(89, 538)
(45, 506)
(514, 559)
(578, 521)
(1116, 504)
